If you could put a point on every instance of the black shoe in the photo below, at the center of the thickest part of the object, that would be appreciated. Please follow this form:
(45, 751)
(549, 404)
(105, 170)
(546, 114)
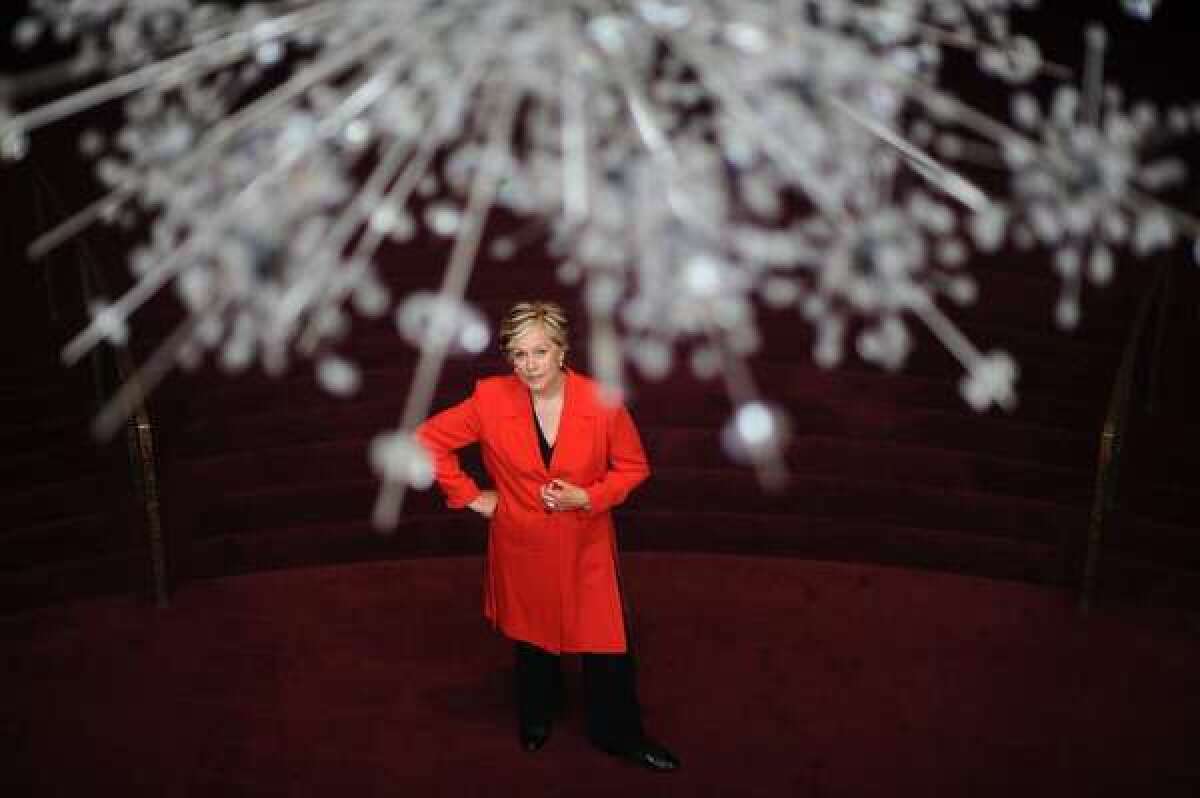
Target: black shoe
(534, 736)
(649, 755)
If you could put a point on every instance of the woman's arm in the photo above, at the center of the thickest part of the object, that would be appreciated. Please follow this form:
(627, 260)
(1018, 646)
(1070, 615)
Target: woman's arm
(442, 435)
(627, 465)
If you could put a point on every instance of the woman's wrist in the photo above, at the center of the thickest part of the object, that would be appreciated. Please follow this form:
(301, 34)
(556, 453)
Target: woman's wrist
(484, 503)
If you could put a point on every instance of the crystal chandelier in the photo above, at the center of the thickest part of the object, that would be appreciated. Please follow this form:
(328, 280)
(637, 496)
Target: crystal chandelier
(689, 161)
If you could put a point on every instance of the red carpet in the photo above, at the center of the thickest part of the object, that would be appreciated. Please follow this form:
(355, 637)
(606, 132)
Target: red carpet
(770, 677)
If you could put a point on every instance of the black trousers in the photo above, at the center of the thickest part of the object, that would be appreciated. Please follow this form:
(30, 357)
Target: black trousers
(613, 716)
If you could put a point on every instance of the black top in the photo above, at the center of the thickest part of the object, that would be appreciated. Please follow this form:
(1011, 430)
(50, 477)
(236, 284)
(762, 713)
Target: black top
(544, 445)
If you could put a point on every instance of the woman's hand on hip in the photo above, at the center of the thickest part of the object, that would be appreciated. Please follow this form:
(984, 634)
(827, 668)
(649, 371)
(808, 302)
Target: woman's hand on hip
(485, 503)
(560, 495)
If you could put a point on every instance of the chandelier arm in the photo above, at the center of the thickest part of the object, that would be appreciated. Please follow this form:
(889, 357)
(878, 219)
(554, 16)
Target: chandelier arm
(357, 102)
(146, 378)
(1071, 289)
(1093, 75)
(743, 117)
(990, 378)
(770, 466)
(482, 197)
(575, 134)
(397, 195)
(335, 291)
(658, 145)
(48, 78)
(739, 381)
(149, 284)
(948, 180)
(1048, 68)
(401, 190)
(169, 266)
(979, 153)
(946, 331)
(645, 223)
(255, 112)
(650, 132)
(294, 302)
(303, 81)
(107, 205)
(280, 97)
(81, 220)
(403, 186)
(1137, 201)
(604, 347)
(529, 231)
(259, 110)
(946, 106)
(166, 74)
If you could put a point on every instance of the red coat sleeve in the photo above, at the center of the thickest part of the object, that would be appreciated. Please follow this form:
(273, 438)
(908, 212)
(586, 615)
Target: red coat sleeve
(441, 435)
(627, 463)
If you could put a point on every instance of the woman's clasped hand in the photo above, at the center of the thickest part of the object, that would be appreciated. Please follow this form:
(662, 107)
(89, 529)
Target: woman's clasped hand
(558, 495)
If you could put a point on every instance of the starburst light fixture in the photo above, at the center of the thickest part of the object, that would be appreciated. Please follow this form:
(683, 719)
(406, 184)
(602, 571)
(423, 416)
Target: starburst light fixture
(691, 161)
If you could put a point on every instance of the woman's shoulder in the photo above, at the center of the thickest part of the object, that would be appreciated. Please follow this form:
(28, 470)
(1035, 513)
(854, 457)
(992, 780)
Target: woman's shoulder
(595, 394)
(502, 395)
(499, 382)
(498, 386)
(506, 389)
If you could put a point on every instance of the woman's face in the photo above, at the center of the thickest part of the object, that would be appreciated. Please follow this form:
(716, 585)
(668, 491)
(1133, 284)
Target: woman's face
(536, 359)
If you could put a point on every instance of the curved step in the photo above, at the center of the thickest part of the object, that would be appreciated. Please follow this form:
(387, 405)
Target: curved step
(681, 447)
(56, 461)
(692, 493)
(76, 495)
(75, 578)
(803, 390)
(1153, 540)
(437, 534)
(74, 537)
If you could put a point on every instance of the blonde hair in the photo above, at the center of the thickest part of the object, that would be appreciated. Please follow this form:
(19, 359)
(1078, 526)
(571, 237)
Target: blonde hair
(524, 315)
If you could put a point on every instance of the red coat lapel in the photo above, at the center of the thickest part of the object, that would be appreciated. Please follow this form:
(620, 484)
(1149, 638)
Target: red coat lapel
(520, 441)
(575, 429)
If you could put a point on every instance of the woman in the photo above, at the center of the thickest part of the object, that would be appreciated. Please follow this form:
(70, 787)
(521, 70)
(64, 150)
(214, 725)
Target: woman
(561, 458)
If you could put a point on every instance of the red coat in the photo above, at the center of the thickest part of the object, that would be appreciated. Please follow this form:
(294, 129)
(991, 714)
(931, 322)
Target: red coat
(551, 577)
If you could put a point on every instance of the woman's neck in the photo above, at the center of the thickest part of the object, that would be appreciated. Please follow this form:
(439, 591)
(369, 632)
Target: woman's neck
(552, 391)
